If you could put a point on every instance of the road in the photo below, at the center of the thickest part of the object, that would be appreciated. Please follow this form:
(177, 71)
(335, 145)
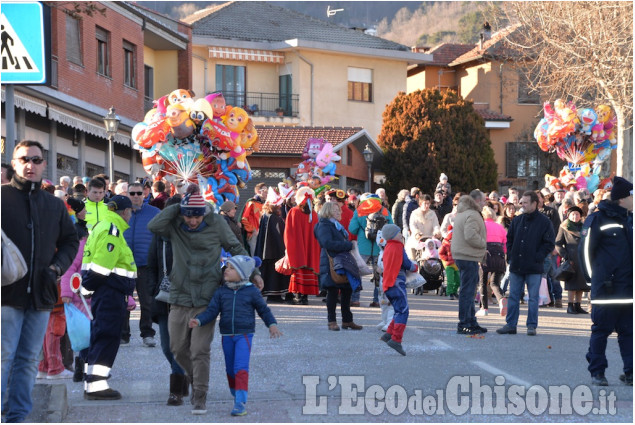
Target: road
(312, 374)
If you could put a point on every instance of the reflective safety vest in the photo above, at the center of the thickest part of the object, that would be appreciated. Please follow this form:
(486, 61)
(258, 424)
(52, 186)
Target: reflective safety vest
(95, 212)
(107, 257)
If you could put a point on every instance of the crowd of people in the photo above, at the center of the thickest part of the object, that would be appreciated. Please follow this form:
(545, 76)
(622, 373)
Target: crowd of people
(288, 243)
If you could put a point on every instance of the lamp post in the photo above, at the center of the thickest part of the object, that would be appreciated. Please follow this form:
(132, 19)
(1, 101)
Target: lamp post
(368, 157)
(111, 122)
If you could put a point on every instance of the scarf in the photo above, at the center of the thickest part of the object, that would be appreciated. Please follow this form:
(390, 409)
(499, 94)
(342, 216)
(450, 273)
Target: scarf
(234, 286)
(339, 227)
(574, 227)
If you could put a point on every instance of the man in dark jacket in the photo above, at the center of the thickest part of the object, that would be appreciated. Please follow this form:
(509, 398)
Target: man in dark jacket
(606, 257)
(139, 238)
(530, 238)
(412, 203)
(40, 227)
(555, 289)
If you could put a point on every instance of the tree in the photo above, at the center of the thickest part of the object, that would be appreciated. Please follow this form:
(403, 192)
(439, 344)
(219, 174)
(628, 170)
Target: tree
(580, 51)
(428, 132)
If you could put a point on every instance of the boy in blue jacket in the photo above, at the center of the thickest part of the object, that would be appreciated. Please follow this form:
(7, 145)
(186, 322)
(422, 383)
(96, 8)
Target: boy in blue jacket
(236, 301)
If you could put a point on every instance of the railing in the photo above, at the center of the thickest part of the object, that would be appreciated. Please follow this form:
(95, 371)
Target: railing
(264, 104)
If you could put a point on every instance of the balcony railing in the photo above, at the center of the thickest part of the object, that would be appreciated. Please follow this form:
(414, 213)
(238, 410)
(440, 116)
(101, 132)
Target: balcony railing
(264, 104)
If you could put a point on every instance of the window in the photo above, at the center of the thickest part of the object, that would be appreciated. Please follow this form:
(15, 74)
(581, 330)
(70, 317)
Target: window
(66, 165)
(526, 95)
(285, 94)
(148, 87)
(231, 81)
(73, 40)
(129, 68)
(525, 159)
(360, 84)
(349, 156)
(93, 169)
(103, 56)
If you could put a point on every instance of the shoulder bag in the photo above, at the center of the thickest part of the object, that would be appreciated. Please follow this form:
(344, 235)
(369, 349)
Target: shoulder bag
(565, 271)
(339, 279)
(13, 265)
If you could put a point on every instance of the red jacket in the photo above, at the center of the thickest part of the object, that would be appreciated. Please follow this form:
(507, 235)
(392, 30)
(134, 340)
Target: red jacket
(445, 253)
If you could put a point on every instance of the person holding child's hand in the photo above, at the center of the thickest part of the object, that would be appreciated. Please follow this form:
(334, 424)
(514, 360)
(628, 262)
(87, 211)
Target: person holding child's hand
(236, 302)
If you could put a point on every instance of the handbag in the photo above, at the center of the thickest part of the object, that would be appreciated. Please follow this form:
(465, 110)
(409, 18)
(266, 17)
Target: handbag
(164, 286)
(78, 327)
(283, 267)
(565, 271)
(13, 265)
(361, 264)
(414, 280)
(339, 279)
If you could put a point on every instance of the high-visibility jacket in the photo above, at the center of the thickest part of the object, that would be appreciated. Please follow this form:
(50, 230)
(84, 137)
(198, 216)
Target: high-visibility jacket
(95, 212)
(606, 254)
(107, 257)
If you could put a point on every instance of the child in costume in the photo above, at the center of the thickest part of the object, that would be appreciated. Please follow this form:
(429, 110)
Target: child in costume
(236, 302)
(396, 263)
(451, 270)
(387, 312)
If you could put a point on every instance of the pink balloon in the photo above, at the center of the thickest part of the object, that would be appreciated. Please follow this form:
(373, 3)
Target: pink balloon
(581, 182)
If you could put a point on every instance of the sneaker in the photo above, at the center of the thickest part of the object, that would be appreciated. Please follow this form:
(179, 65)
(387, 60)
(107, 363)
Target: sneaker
(385, 337)
(149, 341)
(465, 331)
(199, 399)
(627, 378)
(381, 325)
(41, 375)
(239, 409)
(599, 380)
(479, 329)
(482, 312)
(451, 296)
(107, 394)
(396, 346)
(506, 330)
(373, 304)
(531, 331)
(65, 374)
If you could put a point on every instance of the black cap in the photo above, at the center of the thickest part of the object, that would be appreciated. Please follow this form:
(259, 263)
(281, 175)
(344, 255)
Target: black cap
(119, 203)
(622, 188)
(76, 204)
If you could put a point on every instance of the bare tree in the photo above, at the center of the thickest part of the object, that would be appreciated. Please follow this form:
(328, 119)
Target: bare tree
(580, 51)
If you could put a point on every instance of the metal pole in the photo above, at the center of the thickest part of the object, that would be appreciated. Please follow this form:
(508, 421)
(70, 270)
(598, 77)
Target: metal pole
(9, 98)
(368, 186)
(111, 170)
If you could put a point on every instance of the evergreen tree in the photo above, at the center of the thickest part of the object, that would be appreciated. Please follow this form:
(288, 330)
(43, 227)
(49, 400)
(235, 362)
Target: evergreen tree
(428, 132)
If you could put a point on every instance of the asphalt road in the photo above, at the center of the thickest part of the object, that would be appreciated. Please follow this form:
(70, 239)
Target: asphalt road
(312, 374)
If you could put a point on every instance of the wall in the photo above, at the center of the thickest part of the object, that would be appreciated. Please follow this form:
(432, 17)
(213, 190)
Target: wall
(166, 77)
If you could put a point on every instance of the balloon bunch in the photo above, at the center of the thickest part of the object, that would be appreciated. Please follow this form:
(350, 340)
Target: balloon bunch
(203, 141)
(318, 167)
(579, 137)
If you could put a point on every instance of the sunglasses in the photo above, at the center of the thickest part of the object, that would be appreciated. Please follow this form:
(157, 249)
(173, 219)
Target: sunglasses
(135, 193)
(35, 159)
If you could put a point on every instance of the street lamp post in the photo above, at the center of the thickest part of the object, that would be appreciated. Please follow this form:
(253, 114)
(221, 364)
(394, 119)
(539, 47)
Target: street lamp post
(111, 122)
(368, 157)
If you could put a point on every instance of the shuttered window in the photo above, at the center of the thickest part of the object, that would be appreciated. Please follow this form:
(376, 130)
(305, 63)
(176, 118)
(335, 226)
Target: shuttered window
(103, 51)
(360, 84)
(73, 40)
(129, 71)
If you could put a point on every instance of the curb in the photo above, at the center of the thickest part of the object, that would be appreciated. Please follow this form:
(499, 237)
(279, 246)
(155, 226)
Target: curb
(58, 404)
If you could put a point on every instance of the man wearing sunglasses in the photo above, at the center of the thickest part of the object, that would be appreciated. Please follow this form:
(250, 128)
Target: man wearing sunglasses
(139, 239)
(40, 227)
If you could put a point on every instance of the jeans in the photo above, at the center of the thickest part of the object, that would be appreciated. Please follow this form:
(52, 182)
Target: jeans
(468, 270)
(22, 338)
(165, 345)
(356, 295)
(516, 286)
(555, 288)
(144, 292)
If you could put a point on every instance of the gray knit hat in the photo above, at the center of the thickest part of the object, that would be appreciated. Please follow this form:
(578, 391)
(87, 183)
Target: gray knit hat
(244, 265)
(389, 231)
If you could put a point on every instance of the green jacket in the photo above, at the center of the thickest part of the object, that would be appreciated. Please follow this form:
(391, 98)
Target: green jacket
(95, 212)
(107, 257)
(196, 272)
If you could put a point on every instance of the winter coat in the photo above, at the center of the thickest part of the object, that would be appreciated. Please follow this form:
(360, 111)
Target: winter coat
(358, 227)
(530, 238)
(196, 273)
(469, 237)
(423, 225)
(409, 206)
(445, 253)
(496, 233)
(236, 309)
(567, 243)
(397, 213)
(95, 212)
(270, 242)
(138, 236)
(552, 215)
(155, 273)
(606, 254)
(30, 214)
(332, 242)
(160, 200)
(233, 225)
(396, 263)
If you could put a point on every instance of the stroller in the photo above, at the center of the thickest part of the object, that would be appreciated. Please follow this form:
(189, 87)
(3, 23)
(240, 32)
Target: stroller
(433, 272)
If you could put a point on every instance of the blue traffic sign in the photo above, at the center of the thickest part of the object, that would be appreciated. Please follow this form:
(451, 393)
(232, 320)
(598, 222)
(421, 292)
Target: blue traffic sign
(24, 44)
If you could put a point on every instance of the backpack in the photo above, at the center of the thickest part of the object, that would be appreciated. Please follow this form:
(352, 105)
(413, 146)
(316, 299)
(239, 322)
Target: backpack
(374, 223)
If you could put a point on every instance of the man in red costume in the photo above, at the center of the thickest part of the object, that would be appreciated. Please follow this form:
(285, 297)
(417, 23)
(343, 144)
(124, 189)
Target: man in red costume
(251, 216)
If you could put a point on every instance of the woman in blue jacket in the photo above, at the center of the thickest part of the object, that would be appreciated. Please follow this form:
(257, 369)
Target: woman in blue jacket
(333, 239)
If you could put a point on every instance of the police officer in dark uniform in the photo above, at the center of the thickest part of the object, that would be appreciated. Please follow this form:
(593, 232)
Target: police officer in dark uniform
(606, 256)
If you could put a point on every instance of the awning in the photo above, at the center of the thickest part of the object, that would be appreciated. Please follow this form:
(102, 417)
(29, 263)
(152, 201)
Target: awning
(28, 103)
(252, 55)
(87, 125)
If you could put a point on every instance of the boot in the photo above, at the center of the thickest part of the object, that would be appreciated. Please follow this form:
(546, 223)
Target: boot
(185, 389)
(578, 309)
(304, 300)
(571, 309)
(78, 375)
(297, 299)
(333, 326)
(351, 325)
(176, 390)
(559, 303)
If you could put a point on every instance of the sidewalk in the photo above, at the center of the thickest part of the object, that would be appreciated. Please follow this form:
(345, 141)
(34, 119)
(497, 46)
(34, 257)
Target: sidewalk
(302, 377)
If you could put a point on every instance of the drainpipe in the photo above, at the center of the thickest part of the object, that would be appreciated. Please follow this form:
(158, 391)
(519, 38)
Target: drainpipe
(500, 78)
(311, 65)
(204, 72)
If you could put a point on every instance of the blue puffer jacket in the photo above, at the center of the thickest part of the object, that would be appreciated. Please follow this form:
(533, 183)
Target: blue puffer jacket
(138, 236)
(334, 242)
(358, 227)
(236, 308)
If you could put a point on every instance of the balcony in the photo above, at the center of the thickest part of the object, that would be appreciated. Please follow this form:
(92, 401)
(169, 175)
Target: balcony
(264, 104)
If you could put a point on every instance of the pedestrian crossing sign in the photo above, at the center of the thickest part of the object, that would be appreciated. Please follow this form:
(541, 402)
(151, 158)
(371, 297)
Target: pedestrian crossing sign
(23, 59)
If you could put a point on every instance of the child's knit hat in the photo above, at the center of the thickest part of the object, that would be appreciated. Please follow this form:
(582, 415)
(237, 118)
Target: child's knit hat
(443, 177)
(389, 231)
(244, 265)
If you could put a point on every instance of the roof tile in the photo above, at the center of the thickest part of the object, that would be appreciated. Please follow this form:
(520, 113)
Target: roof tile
(489, 115)
(276, 140)
(491, 47)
